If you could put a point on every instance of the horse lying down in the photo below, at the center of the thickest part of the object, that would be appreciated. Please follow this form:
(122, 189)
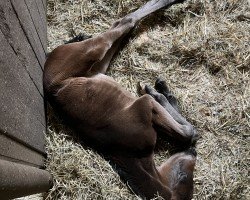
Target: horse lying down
(114, 122)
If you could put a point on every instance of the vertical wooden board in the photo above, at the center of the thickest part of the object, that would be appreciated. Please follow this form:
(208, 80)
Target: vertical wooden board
(42, 11)
(43, 16)
(13, 69)
(29, 30)
(11, 28)
(23, 39)
(21, 107)
(45, 5)
(38, 23)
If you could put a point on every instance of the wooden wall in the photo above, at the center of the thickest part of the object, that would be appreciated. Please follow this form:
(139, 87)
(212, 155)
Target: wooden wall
(23, 37)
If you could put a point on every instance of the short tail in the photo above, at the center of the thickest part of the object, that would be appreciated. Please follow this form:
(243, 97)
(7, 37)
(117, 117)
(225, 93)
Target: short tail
(78, 38)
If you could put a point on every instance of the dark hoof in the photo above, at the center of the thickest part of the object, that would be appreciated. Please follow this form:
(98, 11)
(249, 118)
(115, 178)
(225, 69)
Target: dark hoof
(161, 86)
(148, 89)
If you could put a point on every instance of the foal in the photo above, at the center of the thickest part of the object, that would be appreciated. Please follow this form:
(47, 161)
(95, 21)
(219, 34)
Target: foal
(113, 121)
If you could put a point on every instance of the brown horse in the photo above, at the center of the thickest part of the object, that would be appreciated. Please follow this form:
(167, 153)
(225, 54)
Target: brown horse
(113, 121)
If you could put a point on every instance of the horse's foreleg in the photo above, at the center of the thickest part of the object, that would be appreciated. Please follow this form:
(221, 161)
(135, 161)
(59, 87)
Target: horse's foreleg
(168, 120)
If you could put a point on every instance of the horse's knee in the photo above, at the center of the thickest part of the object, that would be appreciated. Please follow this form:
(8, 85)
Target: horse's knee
(128, 21)
(190, 133)
(98, 48)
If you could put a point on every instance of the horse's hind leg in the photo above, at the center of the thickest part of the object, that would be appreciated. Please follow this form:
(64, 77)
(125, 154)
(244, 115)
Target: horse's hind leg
(93, 55)
(122, 27)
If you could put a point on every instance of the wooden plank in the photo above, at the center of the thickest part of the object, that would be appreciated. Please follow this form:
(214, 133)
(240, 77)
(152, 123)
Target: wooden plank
(29, 29)
(38, 23)
(42, 11)
(44, 5)
(43, 16)
(12, 30)
(21, 107)
(15, 151)
(30, 86)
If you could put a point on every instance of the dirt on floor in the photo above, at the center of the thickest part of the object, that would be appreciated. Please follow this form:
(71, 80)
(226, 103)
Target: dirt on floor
(202, 49)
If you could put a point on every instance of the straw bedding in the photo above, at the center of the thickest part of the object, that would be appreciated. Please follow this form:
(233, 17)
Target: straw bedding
(202, 49)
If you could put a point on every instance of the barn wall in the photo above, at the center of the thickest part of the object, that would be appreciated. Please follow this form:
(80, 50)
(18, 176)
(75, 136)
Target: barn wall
(23, 37)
